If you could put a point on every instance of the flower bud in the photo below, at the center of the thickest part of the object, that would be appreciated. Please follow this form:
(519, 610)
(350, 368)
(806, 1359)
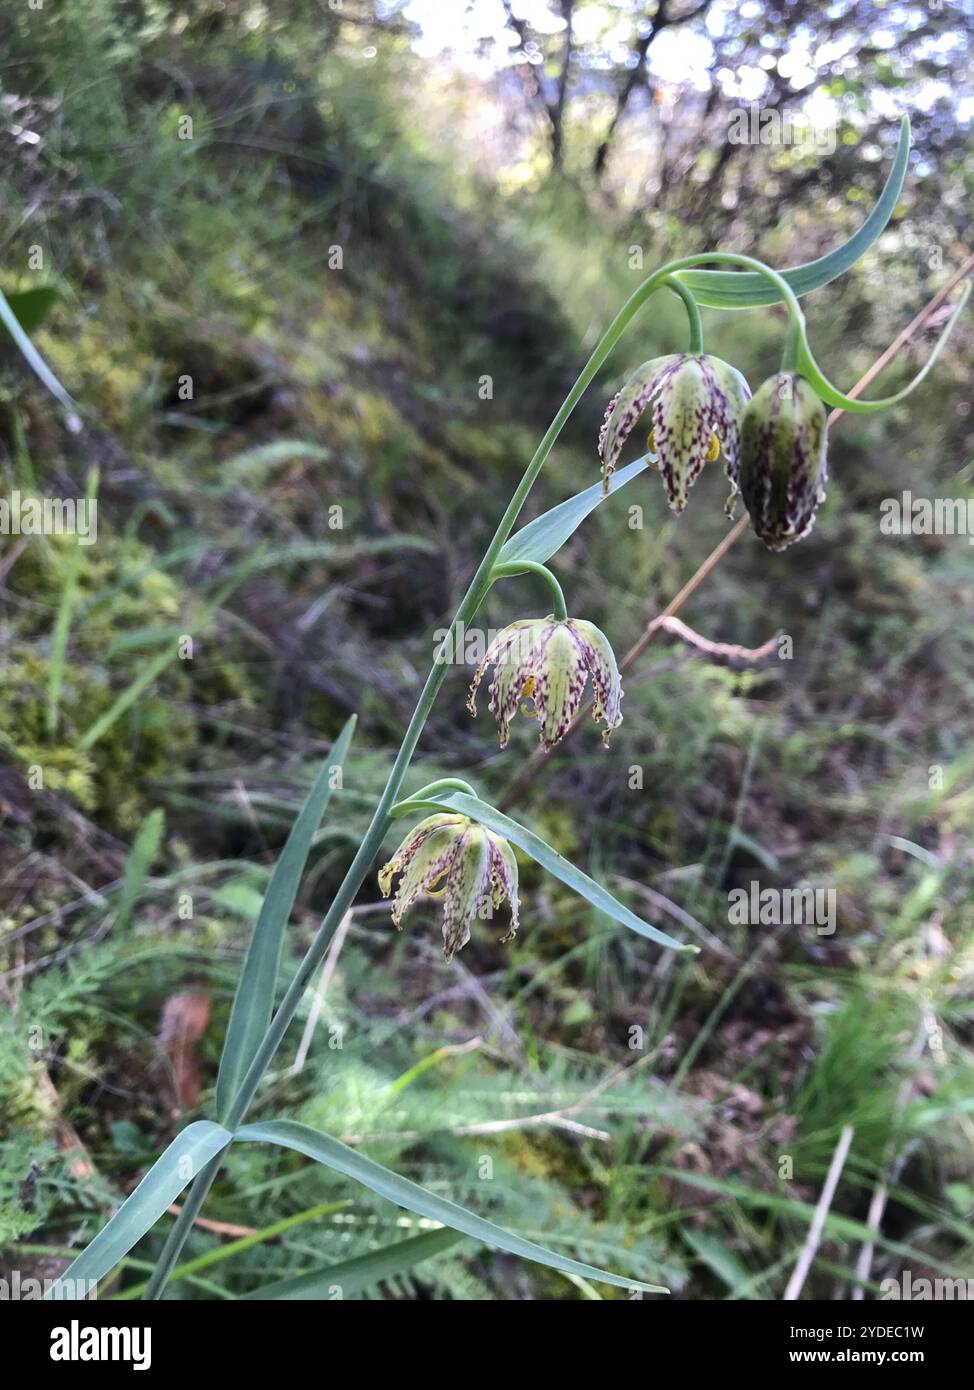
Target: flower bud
(783, 466)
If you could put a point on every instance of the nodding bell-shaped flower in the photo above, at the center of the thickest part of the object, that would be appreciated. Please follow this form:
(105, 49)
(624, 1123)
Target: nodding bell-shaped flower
(783, 466)
(695, 404)
(545, 663)
(449, 856)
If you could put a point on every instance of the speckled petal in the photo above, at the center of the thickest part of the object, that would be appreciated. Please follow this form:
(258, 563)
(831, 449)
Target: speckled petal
(783, 460)
(431, 864)
(521, 662)
(628, 405)
(559, 684)
(601, 664)
(495, 654)
(730, 393)
(468, 887)
(503, 877)
(414, 842)
(683, 424)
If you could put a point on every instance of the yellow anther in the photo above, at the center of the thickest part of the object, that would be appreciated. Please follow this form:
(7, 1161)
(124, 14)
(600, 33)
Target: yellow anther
(433, 891)
(713, 449)
(527, 693)
(651, 442)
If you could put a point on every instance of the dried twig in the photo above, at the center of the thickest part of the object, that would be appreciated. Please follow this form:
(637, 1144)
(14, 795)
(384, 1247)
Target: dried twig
(814, 1237)
(728, 651)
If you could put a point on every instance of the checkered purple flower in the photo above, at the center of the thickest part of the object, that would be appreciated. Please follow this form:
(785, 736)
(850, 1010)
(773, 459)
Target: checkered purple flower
(448, 856)
(541, 666)
(695, 404)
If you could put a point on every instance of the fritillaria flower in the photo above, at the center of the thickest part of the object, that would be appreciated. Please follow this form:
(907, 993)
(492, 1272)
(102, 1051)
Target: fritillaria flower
(542, 666)
(695, 404)
(783, 465)
(449, 856)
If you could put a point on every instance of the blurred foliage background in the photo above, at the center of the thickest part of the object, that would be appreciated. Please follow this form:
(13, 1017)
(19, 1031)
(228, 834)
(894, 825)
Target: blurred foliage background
(369, 212)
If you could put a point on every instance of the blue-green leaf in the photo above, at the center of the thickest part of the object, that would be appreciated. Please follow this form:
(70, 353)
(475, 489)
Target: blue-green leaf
(363, 1272)
(324, 1149)
(556, 864)
(254, 1000)
(541, 538)
(723, 289)
(188, 1153)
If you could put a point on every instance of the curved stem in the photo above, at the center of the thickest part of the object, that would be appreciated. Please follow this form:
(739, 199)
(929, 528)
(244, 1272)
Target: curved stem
(413, 805)
(453, 783)
(832, 396)
(516, 567)
(693, 314)
(785, 292)
(791, 352)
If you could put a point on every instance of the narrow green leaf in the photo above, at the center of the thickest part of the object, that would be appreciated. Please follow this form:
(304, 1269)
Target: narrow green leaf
(60, 635)
(307, 552)
(67, 605)
(836, 1223)
(324, 1149)
(364, 1272)
(155, 668)
(555, 863)
(717, 1256)
(188, 1153)
(723, 289)
(541, 538)
(254, 1000)
(127, 698)
(35, 361)
(144, 850)
(192, 1268)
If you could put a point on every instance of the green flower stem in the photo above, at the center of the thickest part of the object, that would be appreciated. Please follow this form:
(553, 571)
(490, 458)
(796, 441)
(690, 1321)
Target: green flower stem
(831, 395)
(797, 356)
(693, 314)
(515, 567)
(792, 350)
(374, 835)
(432, 788)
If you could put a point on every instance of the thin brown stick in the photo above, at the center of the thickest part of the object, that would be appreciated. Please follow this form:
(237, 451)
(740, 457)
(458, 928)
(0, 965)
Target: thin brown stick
(814, 1238)
(725, 651)
(537, 760)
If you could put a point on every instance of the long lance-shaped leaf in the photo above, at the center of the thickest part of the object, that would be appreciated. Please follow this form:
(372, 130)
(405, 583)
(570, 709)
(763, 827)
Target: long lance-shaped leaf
(130, 695)
(254, 1000)
(188, 1153)
(544, 536)
(363, 1272)
(722, 289)
(324, 1149)
(556, 864)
